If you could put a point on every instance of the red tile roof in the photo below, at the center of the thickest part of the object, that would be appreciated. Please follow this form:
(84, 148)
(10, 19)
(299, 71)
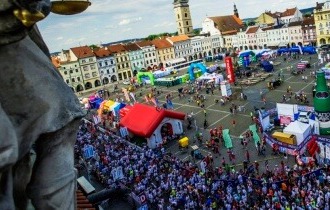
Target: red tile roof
(178, 38)
(117, 48)
(56, 61)
(308, 21)
(82, 52)
(227, 23)
(252, 30)
(132, 47)
(161, 43)
(233, 32)
(144, 43)
(151, 116)
(102, 52)
(289, 12)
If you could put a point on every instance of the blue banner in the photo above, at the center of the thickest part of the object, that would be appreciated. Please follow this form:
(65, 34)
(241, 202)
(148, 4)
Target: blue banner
(315, 173)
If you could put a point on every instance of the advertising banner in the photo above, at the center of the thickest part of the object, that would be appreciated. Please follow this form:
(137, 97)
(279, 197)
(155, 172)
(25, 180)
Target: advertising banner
(285, 120)
(230, 69)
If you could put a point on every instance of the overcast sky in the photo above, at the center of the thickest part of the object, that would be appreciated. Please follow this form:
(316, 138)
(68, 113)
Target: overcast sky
(113, 20)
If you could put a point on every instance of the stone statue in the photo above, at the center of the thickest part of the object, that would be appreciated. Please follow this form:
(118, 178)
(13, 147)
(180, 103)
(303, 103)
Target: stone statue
(37, 111)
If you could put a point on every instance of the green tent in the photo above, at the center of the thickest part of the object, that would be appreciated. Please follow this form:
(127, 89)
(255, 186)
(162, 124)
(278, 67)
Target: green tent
(255, 135)
(227, 139)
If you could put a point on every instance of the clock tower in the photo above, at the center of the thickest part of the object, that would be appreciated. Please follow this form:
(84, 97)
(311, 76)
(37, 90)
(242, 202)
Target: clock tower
(183, 17)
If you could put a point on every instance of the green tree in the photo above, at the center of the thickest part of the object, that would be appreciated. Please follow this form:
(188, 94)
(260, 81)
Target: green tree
(93, 47)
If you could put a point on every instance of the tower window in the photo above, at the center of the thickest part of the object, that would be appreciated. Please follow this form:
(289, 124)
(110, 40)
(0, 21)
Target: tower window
(187, 22)
(178, 16)
(185, 14)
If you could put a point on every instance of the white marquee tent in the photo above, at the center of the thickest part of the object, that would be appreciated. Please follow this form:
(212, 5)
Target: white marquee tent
(299, 129)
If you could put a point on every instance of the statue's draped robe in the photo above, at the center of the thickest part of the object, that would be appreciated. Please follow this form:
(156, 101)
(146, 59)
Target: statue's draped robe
(34, 102)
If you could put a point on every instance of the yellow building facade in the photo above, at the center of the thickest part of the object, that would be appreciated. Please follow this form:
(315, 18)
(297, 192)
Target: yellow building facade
(165, 50)
(265, 18)
(322, 23)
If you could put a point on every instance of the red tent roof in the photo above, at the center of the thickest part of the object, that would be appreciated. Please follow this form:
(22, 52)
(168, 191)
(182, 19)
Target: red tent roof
(142, 120)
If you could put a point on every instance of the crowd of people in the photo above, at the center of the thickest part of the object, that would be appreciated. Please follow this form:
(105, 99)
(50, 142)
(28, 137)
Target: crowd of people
(169, 183)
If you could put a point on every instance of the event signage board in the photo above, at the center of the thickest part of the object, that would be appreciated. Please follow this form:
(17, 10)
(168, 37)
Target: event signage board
(225, 89)
(230, 69)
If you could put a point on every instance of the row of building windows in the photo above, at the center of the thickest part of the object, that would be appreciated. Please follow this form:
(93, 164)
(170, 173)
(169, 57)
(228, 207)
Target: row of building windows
(146, 55)
(106, 63)
(72, 80)
(121, 59)
(87, 60)
(71, 71)
(108, 71)
(123, 66)
(70, 67)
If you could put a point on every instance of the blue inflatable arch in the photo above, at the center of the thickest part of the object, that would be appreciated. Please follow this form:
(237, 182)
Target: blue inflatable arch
(196, 65)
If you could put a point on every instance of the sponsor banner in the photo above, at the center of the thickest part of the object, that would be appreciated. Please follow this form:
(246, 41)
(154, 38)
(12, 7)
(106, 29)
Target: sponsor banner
(305, 108)
(285, 120)
(230, 69)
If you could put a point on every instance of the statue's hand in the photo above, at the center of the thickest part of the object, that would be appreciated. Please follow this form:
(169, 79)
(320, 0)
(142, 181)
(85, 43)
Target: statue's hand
(28, 18)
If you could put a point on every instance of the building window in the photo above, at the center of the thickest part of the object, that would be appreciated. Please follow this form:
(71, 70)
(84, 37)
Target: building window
(94, 74)
(92, 67)
(77, 70)
(120, 76)
(178, 16)
(187, 23)
(67, 81)
(65, 72)
(87, 76)
(78, 78)
(72, 80)
(106, 63)
(91, 59)
(129, 74)
(85, 68)
(185, 14)
(100, 64)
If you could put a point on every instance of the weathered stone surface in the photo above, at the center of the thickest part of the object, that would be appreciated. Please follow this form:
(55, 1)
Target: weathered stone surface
(37, 109)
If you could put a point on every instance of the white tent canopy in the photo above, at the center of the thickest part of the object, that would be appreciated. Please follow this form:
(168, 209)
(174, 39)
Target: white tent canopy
(299, 129)
(217, 78)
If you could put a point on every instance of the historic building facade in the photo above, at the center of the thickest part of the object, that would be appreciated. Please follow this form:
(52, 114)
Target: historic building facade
(107, 65)
(88, 66)
(122, 61)
(322, 22)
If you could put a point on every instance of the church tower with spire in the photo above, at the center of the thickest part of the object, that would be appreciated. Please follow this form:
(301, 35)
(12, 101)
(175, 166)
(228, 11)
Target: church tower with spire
(183, 17)
(236, 11)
